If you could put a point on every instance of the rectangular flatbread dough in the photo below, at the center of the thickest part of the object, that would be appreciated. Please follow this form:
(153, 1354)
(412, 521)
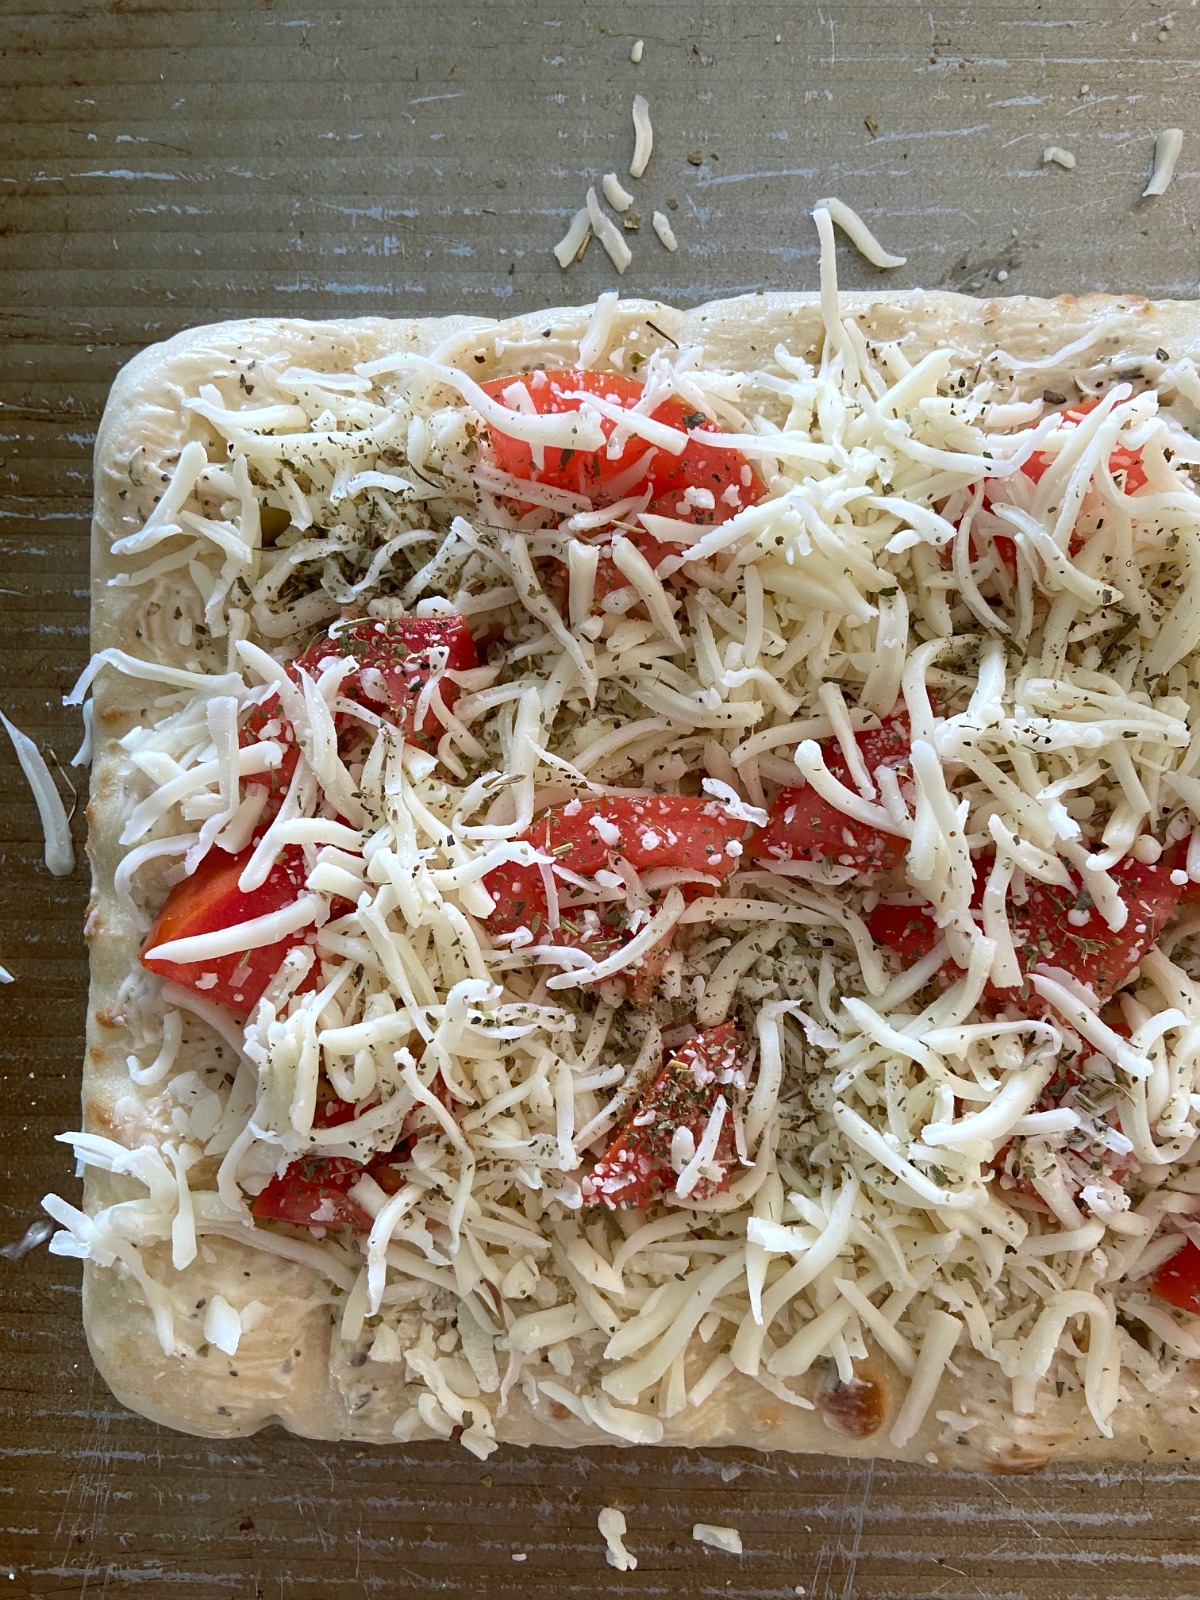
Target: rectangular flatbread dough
(961, 1296)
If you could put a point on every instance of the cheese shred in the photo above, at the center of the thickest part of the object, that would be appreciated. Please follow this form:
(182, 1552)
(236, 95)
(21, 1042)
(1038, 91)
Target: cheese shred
(643, 136)
(59, 854)
(1167, 148)
(860, 235)
(608, 233)
(664, 230)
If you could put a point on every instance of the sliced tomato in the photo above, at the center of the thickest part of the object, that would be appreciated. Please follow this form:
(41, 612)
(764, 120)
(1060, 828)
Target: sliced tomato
(908, 930)
(636, 1168)
(299, 1195)
(394, 660)
(1006, 549)
(1077, 1168)
(1122, 462)
(331, 1111)
(1177, 1281)
(1174, 859)
(267, 721)
(210, 899)
(312, 1193)
(600, 478)
(656, 830)
(610, 578)
(394, 663)
(1056, 927)
(803, 826)
(1060, 927)
(651, 831)
(1003, 543)
(647, 831)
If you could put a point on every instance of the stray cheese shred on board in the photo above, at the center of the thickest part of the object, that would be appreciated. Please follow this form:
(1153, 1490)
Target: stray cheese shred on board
(698, 868)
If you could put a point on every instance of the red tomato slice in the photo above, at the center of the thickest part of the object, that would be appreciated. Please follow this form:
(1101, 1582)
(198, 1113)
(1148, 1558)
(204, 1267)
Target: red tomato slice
(1121, 461)
(1177, 1281)
(1174, 859)
(266, 721)
(312, 1193)
(1005, 545)
(636, 1168)
(394, 662)
(1006, 549)
(1060, 927)
(299, 1195)
(908, 930)
(610, 578)
(587, 835)
(394, 665)
(601, 479)
(657, 830)
(803, 826)
(332, 1112)
(1056, 927)
(649, 831)
(210, 899)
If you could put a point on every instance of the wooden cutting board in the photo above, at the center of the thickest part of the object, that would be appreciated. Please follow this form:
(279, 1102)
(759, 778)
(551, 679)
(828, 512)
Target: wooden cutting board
(169, 164)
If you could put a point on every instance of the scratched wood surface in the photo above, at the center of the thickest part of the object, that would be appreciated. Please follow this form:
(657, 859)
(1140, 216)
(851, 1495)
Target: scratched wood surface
(168, 164)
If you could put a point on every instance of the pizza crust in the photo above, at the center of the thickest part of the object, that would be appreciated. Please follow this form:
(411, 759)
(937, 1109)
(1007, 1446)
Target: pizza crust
(292, 1367)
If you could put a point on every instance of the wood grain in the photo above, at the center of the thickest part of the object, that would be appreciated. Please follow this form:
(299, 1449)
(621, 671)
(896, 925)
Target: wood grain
(167, 164)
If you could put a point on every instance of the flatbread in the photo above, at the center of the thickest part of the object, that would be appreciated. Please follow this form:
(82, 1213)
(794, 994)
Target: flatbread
(291, 1365)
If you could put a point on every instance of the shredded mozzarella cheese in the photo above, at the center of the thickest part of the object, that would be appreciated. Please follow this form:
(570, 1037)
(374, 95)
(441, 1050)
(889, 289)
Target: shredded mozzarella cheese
(1167, 149)
(860, 236)
(899, 1160)
(718, 1537)
(570, 247)
(609, 235)
(618, 197)
(643, 136)
(59, 854)
(664, 230)
(611, 1523)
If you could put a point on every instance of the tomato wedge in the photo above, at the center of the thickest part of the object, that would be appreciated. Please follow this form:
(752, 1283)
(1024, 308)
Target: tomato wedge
(210, 899)
(587, 835)
(331, 1111)
(724, 473)
(312, 1193)
(1062, 928)
(1122, 462)
(267, 721)
(636, 1169)
(1177, 1281)
(803, 826)
(908, 930)
(1056, 927)
(394, 662)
